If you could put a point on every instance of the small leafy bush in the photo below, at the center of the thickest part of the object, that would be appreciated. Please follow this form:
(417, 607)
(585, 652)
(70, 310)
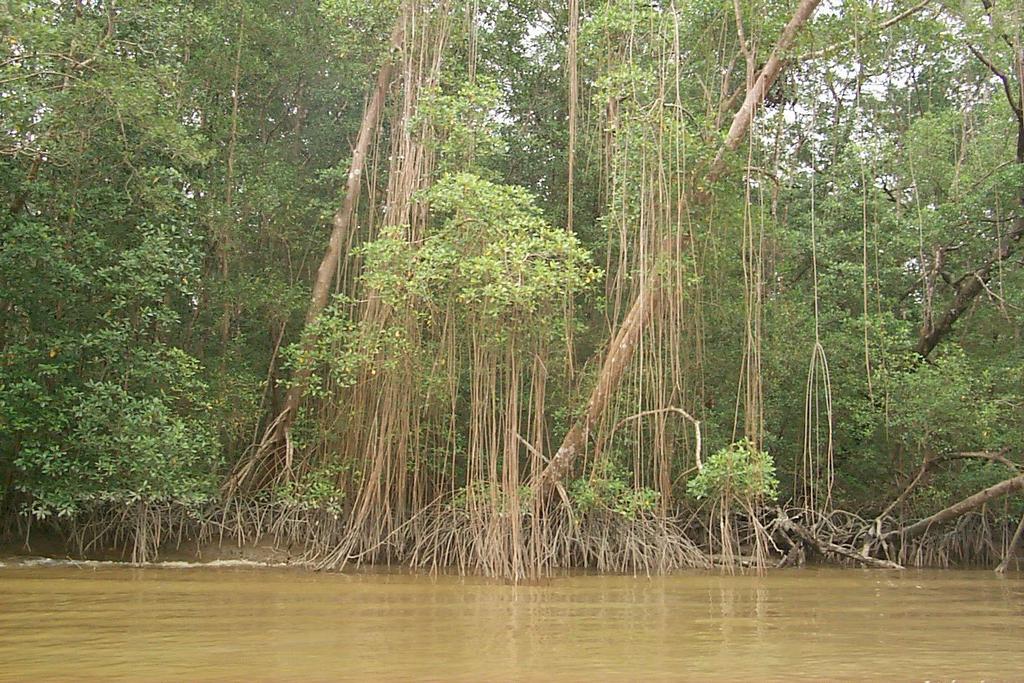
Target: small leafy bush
(612, 491)
(316, 490)
(739, 473)
(491, 252)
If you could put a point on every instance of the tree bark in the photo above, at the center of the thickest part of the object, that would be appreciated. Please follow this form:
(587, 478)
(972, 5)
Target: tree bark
(977, 281)
(1011, 551)
(960, 508)
(761, 85)
(829, 548)
(278, 428)
(624, 343)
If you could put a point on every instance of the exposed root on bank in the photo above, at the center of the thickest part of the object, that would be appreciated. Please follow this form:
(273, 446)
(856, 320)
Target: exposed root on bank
(601, 540)
(976, 539)
(497, 544)
(447, 537)
(826, 547)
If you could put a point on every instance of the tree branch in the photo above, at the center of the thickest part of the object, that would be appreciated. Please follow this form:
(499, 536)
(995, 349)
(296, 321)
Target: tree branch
(960, 508)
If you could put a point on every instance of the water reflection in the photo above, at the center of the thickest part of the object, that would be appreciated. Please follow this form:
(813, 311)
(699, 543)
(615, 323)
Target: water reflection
(106, 622)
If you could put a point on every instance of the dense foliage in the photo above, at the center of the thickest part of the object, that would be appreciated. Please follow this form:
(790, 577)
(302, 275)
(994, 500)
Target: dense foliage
(849, 299)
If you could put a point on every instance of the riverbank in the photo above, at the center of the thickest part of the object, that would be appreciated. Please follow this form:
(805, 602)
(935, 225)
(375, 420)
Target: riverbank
(459, 543)
(49, 547)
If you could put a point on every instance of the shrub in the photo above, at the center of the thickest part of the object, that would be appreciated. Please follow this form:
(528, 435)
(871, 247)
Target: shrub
(315, 490)
(739, 473)
(119, 449)
(612, 491)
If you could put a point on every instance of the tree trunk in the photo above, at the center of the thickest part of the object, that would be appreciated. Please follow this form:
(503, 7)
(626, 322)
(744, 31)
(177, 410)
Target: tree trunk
(973, 285)
(829, 548)
(760, 87)
(623, 345)
(961, 508)
(976, 282)
(1011, 551)
(279, 426)
(342, 220)
(620, 353)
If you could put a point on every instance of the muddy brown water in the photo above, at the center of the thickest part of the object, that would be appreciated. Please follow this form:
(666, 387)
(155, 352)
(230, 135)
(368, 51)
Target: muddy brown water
(61, 621)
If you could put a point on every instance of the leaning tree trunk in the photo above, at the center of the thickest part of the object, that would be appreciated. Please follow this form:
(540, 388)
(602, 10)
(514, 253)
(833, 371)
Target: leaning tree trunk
(1011, 550)
(960, 508)
(342, 220)
(976, 282)
(620, 353)
(760, 87)
(275, 441)
(624, 344)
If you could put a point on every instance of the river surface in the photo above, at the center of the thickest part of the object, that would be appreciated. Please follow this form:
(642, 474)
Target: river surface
(95, 621)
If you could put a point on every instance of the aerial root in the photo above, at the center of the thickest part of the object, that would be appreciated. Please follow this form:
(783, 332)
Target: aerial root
(444, 537)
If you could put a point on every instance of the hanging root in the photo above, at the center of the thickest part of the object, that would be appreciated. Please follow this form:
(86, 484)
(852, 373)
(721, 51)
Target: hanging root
(135, 531)
(973, 541)
(1016, 542)
(499, 544)
(480, 539)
